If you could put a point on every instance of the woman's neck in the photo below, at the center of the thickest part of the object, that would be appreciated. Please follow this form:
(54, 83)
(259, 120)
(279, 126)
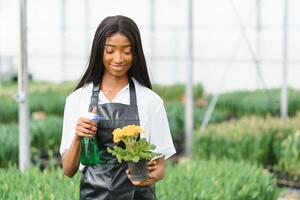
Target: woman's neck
(110, 86)
(114, 82)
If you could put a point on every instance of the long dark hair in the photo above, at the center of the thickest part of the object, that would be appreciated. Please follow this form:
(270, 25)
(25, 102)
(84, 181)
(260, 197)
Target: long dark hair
(108, 27)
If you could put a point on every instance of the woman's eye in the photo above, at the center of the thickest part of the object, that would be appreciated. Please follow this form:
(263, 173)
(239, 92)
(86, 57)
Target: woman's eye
(127, 51)
(109, 50)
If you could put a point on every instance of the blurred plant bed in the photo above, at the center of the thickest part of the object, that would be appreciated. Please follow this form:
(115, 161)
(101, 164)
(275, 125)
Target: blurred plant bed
(10, 88)
(217, 180)
(45, 159)
(269, 142)
(232, 104)
(51, 102)
(176, 92)
(193, 180)
(34, 184)
(288, 168)
(45, 134)
(257, 102)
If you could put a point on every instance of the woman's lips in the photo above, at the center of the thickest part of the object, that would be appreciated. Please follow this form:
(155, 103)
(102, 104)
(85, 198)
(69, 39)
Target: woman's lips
(118, 67)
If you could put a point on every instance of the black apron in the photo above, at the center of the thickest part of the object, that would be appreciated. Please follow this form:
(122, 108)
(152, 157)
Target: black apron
(108, 180)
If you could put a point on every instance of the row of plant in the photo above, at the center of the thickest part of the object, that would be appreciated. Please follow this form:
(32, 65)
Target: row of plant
(258, 102)
(45, 136)
(51, 99)
(207, 180)
(236, 104)
(34, 184)
(51, 102)
(176, 92)
(270, 142)
(217, 180)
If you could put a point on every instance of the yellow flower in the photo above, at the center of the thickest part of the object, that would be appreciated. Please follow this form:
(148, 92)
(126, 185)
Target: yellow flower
(127, 131)
(132, 130)
(117, 133)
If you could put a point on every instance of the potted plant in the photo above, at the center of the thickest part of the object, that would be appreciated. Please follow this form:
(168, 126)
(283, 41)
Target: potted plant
(137, 152)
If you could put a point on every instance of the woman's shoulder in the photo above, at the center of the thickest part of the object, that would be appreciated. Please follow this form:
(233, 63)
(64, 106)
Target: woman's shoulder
(147, 94)
(79, 93)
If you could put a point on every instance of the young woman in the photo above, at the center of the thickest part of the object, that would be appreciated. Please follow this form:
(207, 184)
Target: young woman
(117, 84)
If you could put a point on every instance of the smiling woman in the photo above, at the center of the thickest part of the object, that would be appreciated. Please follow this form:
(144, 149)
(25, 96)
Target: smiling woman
(116, 86)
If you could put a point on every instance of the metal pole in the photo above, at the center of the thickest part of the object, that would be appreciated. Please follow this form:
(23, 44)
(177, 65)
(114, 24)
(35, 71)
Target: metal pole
(189, 85)
(258, 39)
(24, 153)
(1, 6)
(63, 40)
(284, 92)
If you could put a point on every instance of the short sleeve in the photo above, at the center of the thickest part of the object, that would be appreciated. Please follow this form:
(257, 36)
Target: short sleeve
(160, 134)
(69, 126)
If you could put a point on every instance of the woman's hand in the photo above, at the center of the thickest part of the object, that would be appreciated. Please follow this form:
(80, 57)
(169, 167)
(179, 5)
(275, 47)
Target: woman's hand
(156, 172)
(86, 127)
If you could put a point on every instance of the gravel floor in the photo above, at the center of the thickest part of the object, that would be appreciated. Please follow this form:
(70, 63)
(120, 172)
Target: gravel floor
(291, 195)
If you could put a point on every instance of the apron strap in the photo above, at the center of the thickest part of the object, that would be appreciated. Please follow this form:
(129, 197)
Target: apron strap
(132, 92)
(94, 97)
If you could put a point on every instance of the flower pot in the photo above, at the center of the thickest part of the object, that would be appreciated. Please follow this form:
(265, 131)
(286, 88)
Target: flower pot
(139, 170)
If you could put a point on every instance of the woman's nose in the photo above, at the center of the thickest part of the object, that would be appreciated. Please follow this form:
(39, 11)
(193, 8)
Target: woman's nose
(118, 58)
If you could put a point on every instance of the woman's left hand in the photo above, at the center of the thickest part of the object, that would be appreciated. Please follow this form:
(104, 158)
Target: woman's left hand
(156, 172)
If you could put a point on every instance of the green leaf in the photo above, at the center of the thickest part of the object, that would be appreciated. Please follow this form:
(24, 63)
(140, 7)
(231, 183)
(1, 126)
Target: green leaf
(141, 150)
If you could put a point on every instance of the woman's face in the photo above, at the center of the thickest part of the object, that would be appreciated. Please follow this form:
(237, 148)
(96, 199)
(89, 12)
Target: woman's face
(117, 55)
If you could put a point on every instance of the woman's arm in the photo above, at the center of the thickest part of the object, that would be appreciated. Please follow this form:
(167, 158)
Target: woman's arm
(156, 172)
(70, 160)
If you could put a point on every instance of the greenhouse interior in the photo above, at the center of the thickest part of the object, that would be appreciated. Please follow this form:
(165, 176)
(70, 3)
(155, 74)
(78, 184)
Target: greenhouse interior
(207, 91)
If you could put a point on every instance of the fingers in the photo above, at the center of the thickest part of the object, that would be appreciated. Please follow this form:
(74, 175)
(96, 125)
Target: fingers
(86, 130)
(143, 183)
(137, 183)
(152, 165)
(85, 127)
(94, 110)
(153, 162)
(152, 168)
(129, 176)
(87, 120)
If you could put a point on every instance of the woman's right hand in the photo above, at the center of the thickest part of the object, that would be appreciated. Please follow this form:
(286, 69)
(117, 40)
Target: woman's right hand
(86, 127)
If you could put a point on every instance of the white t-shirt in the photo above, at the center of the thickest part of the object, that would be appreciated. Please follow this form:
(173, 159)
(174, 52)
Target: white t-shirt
(152, 114)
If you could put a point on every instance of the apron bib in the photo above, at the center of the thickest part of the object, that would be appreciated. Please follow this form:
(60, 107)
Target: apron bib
(108, 180)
